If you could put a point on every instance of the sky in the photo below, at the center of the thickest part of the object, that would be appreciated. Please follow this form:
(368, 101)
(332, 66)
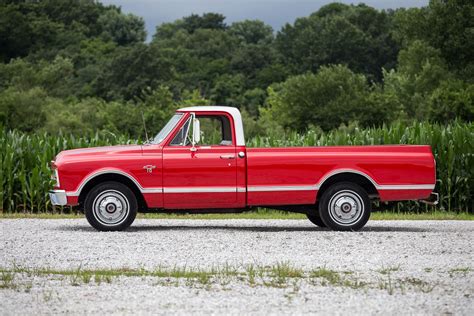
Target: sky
(273, 12)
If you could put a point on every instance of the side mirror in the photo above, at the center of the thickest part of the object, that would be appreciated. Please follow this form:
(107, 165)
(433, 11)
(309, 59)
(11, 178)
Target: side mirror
(196, 137)
(196, 131)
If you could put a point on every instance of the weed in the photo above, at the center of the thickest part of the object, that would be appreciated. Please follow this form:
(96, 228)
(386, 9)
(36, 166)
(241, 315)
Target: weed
(459, 271)
(329, 276)
(389, 270)
(7, 280)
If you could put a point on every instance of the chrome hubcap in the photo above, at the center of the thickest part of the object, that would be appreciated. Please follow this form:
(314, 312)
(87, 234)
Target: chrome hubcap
(111, 207)
(346, 207)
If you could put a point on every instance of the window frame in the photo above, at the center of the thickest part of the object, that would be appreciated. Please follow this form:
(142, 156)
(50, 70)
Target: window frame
(198, 114)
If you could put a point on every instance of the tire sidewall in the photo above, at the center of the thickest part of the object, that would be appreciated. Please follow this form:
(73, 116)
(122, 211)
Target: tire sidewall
(316, 220)
(127, 194)
(332, 191)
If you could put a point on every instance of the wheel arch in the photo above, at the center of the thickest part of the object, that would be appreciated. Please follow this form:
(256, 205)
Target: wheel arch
(353, 176)
(101, 177)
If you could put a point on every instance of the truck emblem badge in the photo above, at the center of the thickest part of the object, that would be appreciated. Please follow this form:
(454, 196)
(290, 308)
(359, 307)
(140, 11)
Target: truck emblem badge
(149, 168)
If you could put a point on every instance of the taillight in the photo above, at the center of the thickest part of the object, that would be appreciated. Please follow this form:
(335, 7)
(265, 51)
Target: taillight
(54, 174)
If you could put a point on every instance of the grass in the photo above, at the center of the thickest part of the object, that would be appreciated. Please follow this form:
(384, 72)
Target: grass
(280, 275)
(459, 271)
(329, 276)
(269, 214)
(388, 270)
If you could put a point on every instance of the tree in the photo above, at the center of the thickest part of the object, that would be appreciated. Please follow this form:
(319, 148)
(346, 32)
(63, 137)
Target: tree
(357, 36)
(333, 96)
(122, 29)
(22, 110)
(452, 99)
(228, 90)
(420, 71)
(131, 70)
(252, 32)
(213, 21)
(445, 25)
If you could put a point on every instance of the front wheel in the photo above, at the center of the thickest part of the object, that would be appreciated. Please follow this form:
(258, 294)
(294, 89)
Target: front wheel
(345, 206)
(110, 206)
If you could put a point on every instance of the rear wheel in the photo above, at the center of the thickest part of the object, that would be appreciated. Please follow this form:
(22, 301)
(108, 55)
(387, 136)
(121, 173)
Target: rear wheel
(111, 206)
(316, 220)
(345, 206)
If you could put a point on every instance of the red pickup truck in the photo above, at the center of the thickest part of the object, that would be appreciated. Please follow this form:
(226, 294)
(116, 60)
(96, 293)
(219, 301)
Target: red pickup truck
(198, 162)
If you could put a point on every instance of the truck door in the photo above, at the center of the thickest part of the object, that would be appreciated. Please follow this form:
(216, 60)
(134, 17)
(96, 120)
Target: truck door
(203, 176)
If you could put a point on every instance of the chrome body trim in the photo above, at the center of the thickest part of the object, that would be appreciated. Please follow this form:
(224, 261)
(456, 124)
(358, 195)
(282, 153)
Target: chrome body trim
(406, 187)
(58, 197)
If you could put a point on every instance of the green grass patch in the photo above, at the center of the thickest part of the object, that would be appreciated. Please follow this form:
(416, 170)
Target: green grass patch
(280, 275)
(267, 214)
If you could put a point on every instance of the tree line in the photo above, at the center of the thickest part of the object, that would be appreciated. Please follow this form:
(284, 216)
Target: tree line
(78, 66)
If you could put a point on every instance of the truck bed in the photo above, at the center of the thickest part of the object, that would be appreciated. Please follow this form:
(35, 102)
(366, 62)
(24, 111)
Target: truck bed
(293, 175)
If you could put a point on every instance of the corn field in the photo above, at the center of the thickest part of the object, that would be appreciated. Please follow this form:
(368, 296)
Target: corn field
(25, 158)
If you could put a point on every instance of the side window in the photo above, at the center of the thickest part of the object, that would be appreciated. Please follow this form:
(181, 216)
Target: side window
(181, 138)
(215, 130)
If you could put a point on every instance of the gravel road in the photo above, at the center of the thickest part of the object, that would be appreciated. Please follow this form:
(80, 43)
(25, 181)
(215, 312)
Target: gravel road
(417, 267)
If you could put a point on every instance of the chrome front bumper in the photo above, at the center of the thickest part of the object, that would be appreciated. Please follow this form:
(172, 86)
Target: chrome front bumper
(432, 200)
(58, 197)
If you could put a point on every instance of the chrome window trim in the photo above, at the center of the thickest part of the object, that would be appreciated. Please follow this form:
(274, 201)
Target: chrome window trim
(187, 133)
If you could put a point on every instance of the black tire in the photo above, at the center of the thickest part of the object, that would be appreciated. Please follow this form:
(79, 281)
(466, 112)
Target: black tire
(316, 220)
(111, 206)
(345, 206)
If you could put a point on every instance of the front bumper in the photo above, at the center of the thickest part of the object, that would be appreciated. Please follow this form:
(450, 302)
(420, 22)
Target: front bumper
(58, 197)
(432, 200)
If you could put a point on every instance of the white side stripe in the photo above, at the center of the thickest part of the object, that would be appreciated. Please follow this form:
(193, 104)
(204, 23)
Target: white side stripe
(316, 187)
(405, 187)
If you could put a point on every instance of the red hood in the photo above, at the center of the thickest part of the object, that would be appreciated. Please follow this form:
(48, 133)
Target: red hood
(81, 153)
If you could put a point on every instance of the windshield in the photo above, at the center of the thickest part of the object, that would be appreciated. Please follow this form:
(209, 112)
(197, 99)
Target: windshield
(167, 128)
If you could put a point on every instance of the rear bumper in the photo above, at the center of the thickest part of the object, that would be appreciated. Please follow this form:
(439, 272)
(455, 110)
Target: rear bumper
(58, 197)
(432, 200)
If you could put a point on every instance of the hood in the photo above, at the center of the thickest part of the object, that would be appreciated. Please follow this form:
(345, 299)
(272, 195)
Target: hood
(82, 153)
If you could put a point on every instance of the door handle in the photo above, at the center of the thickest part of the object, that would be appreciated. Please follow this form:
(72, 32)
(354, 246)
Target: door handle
(227, 157)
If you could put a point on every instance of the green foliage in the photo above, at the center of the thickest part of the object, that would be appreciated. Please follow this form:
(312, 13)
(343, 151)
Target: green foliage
(22, 109)
(358, 36)
(444, 25)
(122, 29)
(333, 96)
(206, 21)
(452, 99)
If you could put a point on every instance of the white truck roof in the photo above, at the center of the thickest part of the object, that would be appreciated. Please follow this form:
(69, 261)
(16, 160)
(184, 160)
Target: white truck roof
(234, 112)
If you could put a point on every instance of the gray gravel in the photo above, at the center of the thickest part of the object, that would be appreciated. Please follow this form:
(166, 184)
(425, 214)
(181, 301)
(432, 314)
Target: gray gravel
(439, 254)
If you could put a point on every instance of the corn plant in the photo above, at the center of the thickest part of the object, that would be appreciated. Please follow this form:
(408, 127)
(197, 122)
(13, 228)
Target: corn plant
(25, 158)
